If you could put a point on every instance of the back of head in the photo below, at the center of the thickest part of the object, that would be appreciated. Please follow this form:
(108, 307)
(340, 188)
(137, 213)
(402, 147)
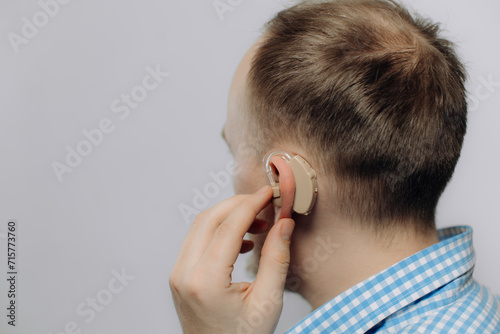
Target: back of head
(374, 95)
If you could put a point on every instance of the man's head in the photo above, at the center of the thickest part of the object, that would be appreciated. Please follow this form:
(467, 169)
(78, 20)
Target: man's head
(375, 98)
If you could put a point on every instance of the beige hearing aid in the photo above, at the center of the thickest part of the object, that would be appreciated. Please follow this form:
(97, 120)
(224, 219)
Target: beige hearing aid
(306, 185)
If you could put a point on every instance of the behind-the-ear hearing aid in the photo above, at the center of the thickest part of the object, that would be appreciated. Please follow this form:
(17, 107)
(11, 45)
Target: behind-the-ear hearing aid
(306, 185)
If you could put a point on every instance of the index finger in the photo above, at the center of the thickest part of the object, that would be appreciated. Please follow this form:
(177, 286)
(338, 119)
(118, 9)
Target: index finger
(225, 246)
(202, 229)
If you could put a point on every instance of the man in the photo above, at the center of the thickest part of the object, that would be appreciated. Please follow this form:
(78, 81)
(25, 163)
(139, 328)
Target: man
(374, 100)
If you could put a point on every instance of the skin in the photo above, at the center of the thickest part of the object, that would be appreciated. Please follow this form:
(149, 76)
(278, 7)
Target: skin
(326, 254)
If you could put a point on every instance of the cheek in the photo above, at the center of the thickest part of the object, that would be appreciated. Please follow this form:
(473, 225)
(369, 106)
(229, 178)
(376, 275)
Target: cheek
(239, 187)
(248, 177)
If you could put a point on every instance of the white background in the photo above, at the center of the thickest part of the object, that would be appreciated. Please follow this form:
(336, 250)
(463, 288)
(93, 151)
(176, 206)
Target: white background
(119, 209)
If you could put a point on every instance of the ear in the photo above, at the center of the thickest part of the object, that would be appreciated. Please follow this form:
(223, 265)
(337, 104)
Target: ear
(287, 185)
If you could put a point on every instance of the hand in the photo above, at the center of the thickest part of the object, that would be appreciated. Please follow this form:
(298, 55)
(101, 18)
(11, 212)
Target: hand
(206, 299)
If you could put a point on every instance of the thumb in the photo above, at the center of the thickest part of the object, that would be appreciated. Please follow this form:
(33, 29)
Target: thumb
(274, 260)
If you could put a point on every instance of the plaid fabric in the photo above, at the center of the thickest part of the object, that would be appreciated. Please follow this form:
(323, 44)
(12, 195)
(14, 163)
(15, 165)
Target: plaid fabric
(431, 291)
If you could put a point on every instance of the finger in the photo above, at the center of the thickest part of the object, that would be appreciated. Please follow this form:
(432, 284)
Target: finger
(274, 260)
(224, 248)
(203, 228)
(258, 226)
(246, 246)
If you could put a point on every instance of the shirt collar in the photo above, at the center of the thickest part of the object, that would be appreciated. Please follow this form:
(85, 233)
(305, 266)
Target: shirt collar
(361, 307)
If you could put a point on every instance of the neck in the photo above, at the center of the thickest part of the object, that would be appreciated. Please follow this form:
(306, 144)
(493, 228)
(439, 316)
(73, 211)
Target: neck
(331, 255)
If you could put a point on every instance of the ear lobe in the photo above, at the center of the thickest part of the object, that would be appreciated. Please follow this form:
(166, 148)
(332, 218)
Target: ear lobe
(287, 186)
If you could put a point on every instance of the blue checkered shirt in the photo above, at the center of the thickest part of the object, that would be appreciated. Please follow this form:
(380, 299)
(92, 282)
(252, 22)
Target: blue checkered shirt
(431, 291)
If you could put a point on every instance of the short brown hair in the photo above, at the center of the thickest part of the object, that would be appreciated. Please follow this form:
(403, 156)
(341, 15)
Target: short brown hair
(373, 93)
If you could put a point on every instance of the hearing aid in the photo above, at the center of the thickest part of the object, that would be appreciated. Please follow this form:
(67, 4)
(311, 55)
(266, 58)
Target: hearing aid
(306, 185)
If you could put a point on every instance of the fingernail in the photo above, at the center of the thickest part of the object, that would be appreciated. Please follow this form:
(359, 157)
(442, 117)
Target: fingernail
(262, 190)
(287, 229)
